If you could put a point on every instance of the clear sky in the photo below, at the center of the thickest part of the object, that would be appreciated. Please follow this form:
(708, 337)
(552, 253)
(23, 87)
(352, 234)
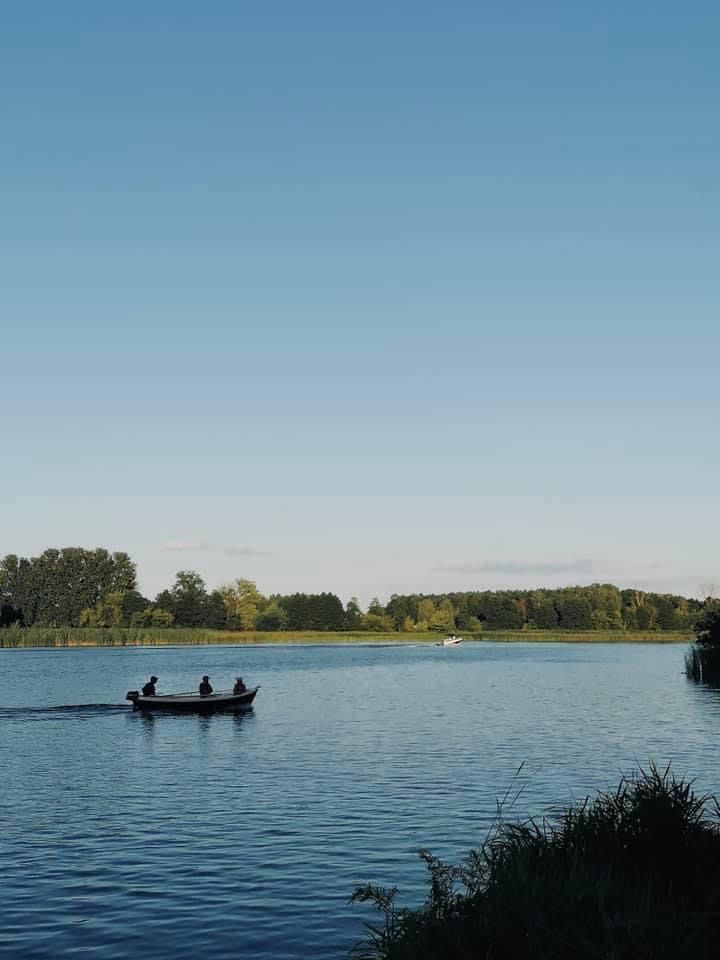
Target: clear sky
(365, 297)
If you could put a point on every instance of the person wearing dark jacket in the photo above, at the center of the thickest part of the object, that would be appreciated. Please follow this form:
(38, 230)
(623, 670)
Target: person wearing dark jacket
(149, 688)
(205, 688)
(239, 685)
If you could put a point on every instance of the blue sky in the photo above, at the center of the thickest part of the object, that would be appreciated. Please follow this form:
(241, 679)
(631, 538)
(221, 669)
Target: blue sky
(368, 298)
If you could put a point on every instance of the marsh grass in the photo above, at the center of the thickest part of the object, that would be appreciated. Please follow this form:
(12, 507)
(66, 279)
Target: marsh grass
(178, 636)
(633, 874)
(175, 636)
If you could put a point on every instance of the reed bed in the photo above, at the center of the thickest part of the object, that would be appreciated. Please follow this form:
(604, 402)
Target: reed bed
(586, 636)
(633, 874)
(59, 637)
(55, 637)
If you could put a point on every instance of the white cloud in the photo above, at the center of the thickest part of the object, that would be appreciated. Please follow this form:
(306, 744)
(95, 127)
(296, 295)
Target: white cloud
(512, 567)
(244, 551)
(187, 545)
(175, 546)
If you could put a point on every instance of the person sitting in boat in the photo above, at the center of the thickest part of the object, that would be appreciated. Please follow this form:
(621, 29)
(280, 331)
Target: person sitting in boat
(205, 688)
(239, 685)
(149, 688)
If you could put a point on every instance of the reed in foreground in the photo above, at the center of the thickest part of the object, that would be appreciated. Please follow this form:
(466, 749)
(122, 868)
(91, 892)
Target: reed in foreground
(630, 875)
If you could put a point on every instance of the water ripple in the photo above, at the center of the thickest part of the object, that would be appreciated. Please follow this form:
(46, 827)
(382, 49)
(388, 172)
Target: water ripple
(245, 834)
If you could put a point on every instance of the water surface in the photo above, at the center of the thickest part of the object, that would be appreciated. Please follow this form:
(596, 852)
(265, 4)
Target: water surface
(244, 835)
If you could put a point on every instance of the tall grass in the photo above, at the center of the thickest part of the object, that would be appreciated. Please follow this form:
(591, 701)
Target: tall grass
(585, 636)
(152, 636)
(157, 636)
(633, 874)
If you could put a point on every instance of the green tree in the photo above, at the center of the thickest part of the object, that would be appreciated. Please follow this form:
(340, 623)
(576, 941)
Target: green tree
(708, 625)
(161, 618)
(541, 612)
(186, 600)
(667, 618)
(215, 611)
(352, 616)
(401, 609)
(133, 602)
(272, 618)
(499, 611)
(443, 620)
(574, 613)
(426, 610)
(242, 601)
(377, 623)
(313, 611)
(376, 608)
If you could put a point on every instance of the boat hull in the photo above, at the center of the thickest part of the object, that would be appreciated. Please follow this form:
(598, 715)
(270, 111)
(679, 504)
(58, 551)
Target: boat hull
(194, 703)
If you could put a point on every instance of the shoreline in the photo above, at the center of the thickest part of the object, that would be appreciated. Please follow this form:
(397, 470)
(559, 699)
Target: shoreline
(75, 638)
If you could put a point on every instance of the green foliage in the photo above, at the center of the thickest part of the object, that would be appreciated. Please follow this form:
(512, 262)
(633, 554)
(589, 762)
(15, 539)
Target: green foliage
(242, 601)
(574, 613)
(105, 613)
(56, 587)
(541, 612)
(425, 610)
(215, 618)
(154, 626)
(313, 611)
(71, 587)
(708, 626)
(352, 617)
(273, 617)
(702, 661)
(186, 600)
(377, 623)
(500, 611)
(402, 609)
(160, 617)
(151, 616)
(443, 620)
(631, 875)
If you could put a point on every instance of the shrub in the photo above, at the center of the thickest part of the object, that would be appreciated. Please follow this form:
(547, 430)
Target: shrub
(702, 660)
(708, 627)
(631, 875)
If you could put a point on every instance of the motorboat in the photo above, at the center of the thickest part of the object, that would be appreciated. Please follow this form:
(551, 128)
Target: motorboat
(452, 641)
(193, 702)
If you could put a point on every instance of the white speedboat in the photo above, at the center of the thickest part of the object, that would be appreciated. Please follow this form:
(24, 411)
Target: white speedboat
(452, 641)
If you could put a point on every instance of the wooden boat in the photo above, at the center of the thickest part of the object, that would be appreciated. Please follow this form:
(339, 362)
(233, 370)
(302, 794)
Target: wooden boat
(193, 702)
(449, 642)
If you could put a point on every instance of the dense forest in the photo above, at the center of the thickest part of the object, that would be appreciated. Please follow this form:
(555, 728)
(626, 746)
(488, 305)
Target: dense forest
(73, 587)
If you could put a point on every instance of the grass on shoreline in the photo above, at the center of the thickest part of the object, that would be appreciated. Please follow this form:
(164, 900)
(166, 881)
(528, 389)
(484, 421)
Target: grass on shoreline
(633, 874)
(60, 637)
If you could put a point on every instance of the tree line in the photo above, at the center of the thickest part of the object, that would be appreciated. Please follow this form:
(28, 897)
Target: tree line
(74, 587)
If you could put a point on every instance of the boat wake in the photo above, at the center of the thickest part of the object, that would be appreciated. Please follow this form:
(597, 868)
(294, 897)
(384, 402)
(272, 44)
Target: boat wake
(76, 711)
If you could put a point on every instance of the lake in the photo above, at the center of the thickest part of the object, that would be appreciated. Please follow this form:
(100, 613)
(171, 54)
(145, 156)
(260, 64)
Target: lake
(245, 835)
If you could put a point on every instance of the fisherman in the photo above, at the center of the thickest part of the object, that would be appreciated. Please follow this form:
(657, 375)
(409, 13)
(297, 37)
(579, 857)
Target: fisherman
(149, 688)
(239, 685)
(205, 688)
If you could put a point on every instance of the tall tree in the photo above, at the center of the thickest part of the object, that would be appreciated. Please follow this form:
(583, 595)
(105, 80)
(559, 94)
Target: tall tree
(242, 601)
(352, 617)
(187, 599)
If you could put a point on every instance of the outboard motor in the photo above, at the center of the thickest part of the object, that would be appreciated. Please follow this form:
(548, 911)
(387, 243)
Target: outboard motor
(133, 696)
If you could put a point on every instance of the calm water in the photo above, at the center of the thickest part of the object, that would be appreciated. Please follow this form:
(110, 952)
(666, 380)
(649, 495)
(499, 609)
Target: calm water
(244, 836)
